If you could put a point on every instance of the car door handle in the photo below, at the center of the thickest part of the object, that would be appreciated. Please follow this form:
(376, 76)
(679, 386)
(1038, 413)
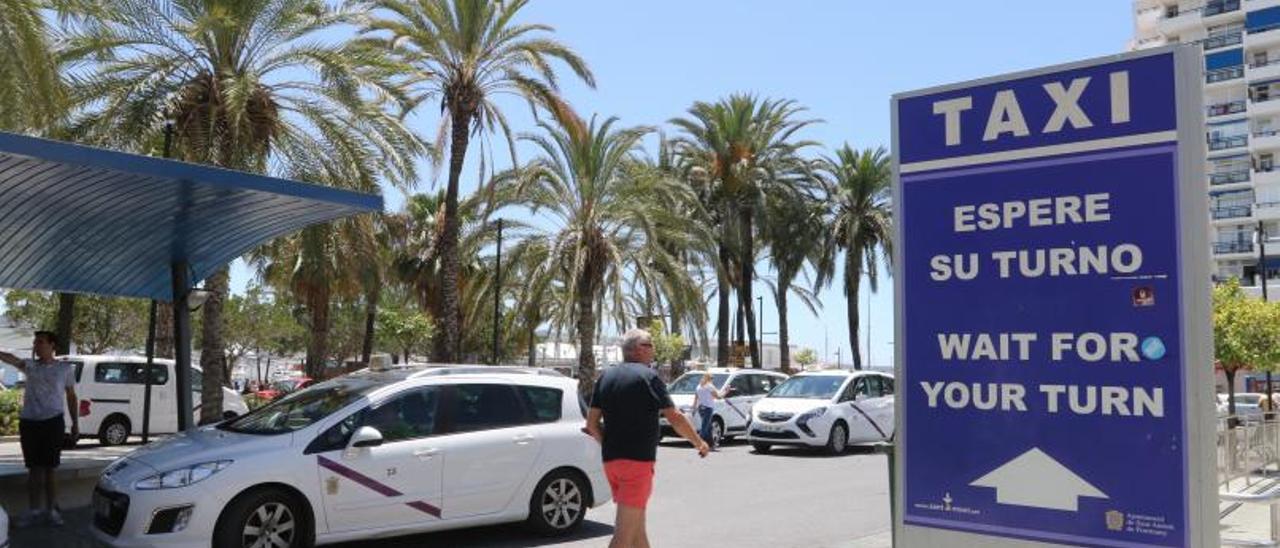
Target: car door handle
(426, 454)
(523, 439)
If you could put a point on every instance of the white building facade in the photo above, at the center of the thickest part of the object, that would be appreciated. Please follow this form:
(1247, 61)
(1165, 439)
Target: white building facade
(1241, 44)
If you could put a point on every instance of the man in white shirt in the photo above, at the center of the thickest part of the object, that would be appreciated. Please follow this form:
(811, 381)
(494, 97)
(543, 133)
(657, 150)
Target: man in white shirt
(49, 393)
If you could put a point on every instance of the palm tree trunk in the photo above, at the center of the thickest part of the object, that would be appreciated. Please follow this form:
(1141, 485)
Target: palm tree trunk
(852, 283)
(212, 351)
(745, 292)
(164, 330)
(784, 338)
(318, 346)
(370, 316)
(445, 348)
(586, 339)
(66, 321)
(722, 324)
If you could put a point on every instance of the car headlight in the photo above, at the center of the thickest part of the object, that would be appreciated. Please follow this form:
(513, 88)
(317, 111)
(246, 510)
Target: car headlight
(812, 414)
(182, 477)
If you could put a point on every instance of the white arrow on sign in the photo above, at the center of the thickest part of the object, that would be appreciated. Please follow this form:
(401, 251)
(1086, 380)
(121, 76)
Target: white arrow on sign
(1034, 479)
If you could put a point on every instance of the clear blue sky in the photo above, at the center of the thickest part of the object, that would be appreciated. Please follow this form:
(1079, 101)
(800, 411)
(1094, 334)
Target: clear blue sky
(841, 59)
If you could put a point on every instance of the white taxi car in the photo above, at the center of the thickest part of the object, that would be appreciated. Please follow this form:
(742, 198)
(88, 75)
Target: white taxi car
(368, 455)
(742, 388)
(830, 409)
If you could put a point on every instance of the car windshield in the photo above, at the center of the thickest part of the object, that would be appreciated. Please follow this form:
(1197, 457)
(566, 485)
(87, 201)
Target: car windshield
(301, 409)
(815, 387)
(1248, 400)
(688, 383)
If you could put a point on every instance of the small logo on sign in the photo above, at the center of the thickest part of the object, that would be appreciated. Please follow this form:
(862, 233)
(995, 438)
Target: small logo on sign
(1144, 296)
(1153, 348)
(1115, 520)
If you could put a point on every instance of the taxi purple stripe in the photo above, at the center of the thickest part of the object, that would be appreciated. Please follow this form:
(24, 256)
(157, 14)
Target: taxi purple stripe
(375, 485)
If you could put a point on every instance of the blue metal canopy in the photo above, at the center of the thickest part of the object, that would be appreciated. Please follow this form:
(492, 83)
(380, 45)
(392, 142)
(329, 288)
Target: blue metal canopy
(86, 220)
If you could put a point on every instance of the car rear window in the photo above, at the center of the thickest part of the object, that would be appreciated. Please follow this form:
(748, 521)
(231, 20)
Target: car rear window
(544, 403)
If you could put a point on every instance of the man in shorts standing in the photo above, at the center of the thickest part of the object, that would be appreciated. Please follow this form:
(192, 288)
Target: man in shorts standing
(628, 398)
(50, 391)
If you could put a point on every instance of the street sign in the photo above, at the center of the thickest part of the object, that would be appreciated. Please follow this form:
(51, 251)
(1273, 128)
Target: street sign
(1052, 308)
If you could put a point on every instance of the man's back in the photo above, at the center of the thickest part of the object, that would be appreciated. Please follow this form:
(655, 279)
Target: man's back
(630, 396)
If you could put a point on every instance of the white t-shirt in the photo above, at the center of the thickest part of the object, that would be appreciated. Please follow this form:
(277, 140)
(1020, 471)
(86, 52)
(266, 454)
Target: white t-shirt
(45, 394)
(705, 396)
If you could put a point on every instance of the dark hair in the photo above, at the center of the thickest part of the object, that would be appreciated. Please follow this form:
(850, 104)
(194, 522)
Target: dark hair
(48, 336)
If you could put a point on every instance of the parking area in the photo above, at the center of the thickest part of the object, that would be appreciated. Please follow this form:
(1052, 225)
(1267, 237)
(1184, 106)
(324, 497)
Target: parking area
(787, 498)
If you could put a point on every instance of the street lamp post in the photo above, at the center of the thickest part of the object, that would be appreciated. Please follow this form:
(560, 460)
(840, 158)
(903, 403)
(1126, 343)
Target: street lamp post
(1262, 272)
(497, 295)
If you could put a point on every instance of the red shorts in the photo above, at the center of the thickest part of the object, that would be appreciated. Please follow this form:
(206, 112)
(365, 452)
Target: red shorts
(631, 481)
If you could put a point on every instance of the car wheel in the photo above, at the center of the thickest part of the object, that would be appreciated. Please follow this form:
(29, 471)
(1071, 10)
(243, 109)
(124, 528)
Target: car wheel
(761, 447)
(558, 504)
(717, 432)
(226, 415)
(839, 440)
(114, 430)
(270, 517)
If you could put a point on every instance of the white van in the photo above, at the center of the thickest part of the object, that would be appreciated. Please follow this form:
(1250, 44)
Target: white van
(112, 388)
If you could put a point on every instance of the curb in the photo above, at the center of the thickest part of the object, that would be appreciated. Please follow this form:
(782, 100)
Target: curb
(7, 439)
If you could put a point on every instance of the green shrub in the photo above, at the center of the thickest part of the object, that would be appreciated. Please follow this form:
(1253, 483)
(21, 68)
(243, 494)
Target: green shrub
(10, 405)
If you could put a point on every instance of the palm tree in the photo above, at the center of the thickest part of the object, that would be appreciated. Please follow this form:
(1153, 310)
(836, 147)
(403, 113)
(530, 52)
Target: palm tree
(315, 265)
(28, 69)
(250, 84)
(416, 235)
(735, 151)
(795, 228)
(471, 51)
(603, 223)
(862, 215)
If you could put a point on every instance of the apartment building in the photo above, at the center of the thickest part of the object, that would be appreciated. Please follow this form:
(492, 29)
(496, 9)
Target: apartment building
(1241, 44)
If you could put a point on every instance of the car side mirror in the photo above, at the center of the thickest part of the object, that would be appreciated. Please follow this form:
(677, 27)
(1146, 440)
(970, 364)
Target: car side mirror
(366, 436)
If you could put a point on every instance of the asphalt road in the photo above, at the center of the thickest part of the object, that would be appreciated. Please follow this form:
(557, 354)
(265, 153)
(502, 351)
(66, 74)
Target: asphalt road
(734, 497)
(787, 498)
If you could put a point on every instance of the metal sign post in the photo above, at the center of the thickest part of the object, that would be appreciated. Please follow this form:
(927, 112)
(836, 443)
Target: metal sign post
(1052, 308)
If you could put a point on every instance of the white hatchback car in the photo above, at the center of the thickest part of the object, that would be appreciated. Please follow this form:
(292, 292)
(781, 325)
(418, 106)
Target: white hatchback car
(829, 409)
(742, 389)
(372, 454)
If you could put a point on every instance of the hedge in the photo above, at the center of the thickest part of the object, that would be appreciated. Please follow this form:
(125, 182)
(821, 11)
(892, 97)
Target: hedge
(10, 405)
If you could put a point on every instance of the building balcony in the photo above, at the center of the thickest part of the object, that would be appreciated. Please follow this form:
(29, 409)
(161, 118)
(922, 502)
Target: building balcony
(1265, 140)
(1223, 40)
(1262, 177)
(1231, 212)
(1227, 109)
(1254, 291)
(1269, 70)
(1229, 177)
(1228, 143)
(1259, 38)
(1255, 5)
(1223, 75)
(1219, 11)
(1265, 107)
(1267, 211)
(1173, 25)
(1231, 248)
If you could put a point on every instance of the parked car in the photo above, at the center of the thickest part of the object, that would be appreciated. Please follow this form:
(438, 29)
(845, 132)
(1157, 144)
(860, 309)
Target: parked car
(282, 387)
(368, 455)
(830, 409)
(112, 393)
(1249, 406)
(742, 389)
